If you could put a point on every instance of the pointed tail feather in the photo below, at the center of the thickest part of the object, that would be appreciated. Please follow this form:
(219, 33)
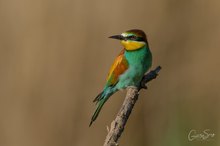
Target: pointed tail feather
(100, 100)
(98, 109)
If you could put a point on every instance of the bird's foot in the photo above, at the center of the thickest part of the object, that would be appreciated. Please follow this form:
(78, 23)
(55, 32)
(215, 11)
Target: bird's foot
(151, 75)
(143, 85)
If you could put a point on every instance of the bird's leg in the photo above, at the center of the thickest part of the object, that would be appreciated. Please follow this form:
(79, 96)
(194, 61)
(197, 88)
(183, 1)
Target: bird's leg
(146, 78)
(142, 85)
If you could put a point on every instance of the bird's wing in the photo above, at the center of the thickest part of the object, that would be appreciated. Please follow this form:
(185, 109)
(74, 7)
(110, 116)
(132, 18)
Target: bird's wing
(119, 66)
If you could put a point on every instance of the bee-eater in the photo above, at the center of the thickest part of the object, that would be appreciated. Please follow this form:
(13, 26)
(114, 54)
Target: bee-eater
(128, 68)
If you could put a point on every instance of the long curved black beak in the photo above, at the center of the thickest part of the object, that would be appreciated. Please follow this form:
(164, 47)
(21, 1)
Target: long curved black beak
(118, 37)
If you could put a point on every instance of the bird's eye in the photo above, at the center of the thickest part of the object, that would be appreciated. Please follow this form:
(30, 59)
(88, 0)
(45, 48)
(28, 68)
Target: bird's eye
(132, 37)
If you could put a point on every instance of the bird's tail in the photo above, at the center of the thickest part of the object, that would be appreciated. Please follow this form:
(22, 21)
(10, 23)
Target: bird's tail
(100, 100)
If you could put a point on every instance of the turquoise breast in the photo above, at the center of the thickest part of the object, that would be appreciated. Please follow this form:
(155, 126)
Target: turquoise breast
(139, 62)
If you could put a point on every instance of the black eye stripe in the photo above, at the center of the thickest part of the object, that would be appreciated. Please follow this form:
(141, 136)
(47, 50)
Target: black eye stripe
(135, 38)
(131, 37)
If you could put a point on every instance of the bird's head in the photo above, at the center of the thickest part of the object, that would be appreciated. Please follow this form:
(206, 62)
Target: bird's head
(132, 39)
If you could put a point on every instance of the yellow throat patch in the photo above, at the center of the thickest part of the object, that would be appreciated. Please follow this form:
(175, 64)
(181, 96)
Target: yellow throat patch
(132, 45)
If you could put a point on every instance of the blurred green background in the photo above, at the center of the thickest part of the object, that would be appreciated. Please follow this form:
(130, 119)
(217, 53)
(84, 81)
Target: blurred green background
(55, 56)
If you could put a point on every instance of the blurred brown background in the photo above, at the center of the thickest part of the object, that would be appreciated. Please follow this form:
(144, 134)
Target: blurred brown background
(55, 56)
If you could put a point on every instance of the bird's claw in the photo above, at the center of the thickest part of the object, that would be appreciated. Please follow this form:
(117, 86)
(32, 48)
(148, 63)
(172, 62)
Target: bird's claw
(151, 75)
(143, 85)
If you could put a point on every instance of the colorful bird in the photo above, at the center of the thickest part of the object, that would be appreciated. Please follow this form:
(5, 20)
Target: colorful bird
(128, 68)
